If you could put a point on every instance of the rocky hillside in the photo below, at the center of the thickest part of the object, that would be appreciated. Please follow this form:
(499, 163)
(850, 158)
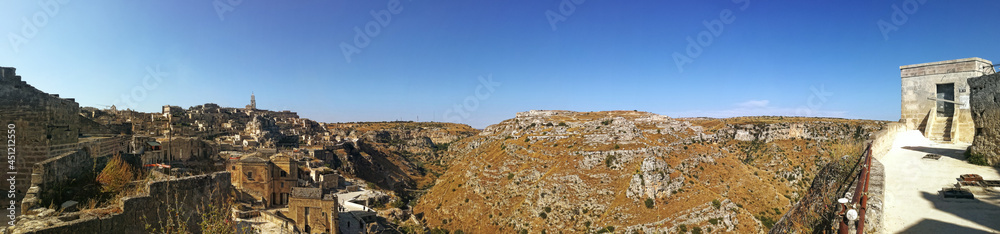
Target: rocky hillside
(633, 171)
(396, 155)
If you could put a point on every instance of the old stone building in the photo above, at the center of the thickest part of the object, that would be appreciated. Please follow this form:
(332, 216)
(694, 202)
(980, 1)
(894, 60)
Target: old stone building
(985, 101)
(314, 211)
(42, 126)
(265, 180)
(935, 98)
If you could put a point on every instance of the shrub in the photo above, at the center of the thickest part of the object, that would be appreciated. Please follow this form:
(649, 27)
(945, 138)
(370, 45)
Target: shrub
(115, 175)
(547, 209)
(716, 203)
(683, 228)
(616, 146)
(696, 230)
(606, 122)
(510, 176)
(398, 203)
(977, 159)
(713, 221)
(442, 146)
(610, 159)
(767, 221)
(649, 203)
(562, 124)
(543, 215)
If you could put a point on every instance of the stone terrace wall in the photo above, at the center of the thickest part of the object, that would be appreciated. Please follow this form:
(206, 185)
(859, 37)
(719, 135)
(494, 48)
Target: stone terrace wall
(814, 211)
(55, 172)
(985, 101)
(882, 140)
(190, 196)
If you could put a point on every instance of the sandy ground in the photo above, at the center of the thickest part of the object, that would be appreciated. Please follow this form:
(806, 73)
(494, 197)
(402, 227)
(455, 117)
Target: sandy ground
(912, 201)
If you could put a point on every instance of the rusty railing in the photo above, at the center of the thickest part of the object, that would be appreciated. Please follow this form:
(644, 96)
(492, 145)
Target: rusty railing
(860, 195)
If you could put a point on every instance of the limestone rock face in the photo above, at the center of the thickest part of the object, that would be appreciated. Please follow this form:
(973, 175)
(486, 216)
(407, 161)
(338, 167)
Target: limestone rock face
(396, 155)
(985, 101)
(632, 171)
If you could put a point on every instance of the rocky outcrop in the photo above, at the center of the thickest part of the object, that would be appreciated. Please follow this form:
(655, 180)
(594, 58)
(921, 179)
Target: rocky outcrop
(633, 171)
(397, 155)
(985, 101)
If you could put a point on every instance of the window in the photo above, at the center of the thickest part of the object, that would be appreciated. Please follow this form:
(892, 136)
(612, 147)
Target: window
(234, 168)
(250, 175)
(283, 173)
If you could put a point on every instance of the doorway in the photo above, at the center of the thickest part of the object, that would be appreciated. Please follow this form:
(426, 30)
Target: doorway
(945, 92)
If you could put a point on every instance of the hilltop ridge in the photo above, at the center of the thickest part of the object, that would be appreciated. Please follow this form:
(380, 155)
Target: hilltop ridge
(634, 171)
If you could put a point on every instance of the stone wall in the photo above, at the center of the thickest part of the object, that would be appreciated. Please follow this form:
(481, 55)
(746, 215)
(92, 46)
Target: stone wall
(55, 172)
(815, 211)
(882, 140)
(985, 102)
(919, 81)
(39, 120)
(313, 215)
(186, 149)
(188, 197)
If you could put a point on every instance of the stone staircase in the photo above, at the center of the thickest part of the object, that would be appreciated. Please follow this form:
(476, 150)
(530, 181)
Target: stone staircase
(941, 129)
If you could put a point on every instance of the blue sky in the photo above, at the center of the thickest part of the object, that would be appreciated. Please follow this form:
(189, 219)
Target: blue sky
(429, 59)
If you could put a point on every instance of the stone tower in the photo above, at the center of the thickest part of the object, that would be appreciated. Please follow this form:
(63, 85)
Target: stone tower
(253, 102)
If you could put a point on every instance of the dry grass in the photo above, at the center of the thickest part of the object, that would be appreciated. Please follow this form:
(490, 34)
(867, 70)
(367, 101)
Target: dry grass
(758, 189)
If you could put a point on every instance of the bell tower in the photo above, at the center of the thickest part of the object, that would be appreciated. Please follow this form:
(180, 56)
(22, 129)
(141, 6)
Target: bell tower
(253, 102)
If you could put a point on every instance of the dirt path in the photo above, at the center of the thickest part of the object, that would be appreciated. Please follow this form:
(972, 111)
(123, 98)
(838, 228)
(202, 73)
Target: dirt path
(912, 201)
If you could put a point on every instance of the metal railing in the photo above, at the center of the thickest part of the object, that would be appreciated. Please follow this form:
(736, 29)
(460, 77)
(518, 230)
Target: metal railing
(860, 199)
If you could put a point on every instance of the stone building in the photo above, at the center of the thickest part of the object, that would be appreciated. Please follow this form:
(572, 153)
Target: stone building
(46, 127)
(985, 101)
(313, 211)
(268, 181)
(935, 98)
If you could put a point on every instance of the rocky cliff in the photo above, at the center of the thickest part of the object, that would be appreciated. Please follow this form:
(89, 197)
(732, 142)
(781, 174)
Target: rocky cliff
(985, 101)
(633, 171)
(397, 155)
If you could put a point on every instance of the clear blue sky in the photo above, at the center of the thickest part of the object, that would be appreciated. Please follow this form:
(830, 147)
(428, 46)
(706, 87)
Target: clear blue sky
(605, 55)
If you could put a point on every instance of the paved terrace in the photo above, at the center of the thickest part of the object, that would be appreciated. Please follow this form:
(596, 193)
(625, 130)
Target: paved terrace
(348, 223)
(912, 201)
